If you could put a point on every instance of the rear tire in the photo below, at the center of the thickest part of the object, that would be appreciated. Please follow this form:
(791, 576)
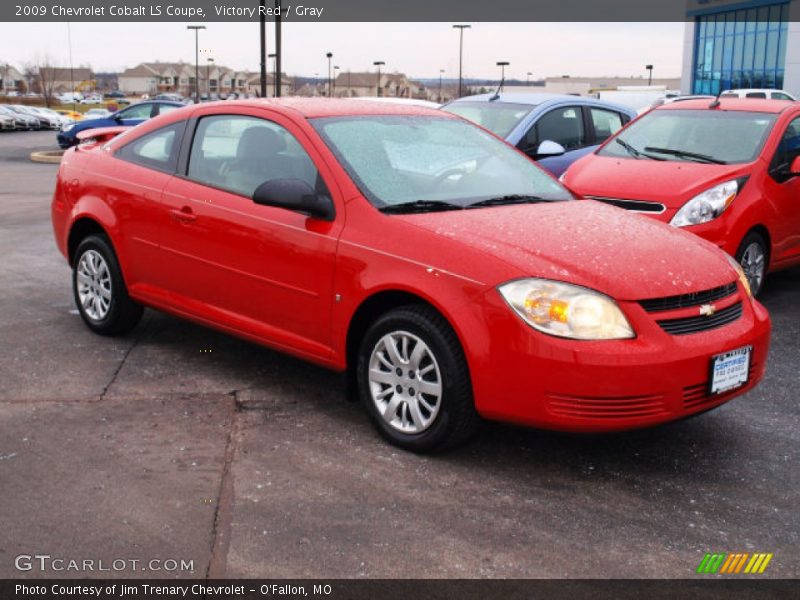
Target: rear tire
(99, 290)
(753, 256)
(414, 381)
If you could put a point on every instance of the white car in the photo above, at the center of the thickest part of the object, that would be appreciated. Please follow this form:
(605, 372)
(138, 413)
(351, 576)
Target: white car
(96, 113)
(758, 93)
(92, 100)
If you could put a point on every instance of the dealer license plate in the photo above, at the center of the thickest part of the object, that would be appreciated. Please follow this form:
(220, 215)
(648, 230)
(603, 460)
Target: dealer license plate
(730, 370)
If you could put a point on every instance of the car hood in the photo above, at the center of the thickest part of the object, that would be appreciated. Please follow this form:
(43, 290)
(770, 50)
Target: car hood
(672, 183)
(624, 255)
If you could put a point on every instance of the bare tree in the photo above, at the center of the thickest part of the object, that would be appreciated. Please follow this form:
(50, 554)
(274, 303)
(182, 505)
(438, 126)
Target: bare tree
(45, 78)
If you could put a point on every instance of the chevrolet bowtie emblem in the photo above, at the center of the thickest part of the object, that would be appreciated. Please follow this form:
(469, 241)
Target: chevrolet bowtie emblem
(706, 310)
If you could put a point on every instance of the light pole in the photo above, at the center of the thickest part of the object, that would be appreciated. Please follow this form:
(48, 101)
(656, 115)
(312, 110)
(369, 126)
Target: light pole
(441, 71)
(502, 64)
(335, 76)
(197, 29)
(650, 74)
(278, 51)
(461, 29)
(378, 64)
(209, 60)
(329, 55)
(274, 74)
(263, 53)
(528, 78)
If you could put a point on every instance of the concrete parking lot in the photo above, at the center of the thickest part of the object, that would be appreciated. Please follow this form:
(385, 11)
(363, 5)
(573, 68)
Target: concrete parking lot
(177, 442)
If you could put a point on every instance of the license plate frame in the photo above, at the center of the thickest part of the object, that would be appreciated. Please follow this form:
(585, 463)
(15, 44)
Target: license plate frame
(730, 370)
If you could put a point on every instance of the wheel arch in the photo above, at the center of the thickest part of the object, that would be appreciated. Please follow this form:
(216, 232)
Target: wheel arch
(79, 230)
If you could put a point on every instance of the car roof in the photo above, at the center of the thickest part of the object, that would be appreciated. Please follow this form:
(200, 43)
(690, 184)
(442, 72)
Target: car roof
(332, 107)
(533, 98)
(733, 104)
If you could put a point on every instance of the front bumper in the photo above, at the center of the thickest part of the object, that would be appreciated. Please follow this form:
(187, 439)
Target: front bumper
(533, 379)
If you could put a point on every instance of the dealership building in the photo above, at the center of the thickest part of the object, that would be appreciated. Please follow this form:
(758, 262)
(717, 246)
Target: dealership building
(741, 44)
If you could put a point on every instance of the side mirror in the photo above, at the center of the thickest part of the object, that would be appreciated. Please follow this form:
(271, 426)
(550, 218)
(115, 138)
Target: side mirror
(295, 195)
(549, 148)
(794, 167)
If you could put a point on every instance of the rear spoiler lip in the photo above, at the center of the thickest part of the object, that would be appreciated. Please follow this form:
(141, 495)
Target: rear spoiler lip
(101, 135)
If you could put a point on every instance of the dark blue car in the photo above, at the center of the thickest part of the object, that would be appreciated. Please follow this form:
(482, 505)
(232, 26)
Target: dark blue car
(132, 115)
(553, 129)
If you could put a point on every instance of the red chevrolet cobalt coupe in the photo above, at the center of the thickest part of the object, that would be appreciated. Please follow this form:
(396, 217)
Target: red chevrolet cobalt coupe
(728, 171)
(444, 270)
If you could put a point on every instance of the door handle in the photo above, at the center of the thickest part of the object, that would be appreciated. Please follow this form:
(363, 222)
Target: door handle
(184, 215)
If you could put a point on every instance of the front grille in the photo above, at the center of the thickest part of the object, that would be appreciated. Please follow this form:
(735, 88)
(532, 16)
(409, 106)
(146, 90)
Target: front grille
(699, 323)
(692, 299)
(620, 407)
(643, 206)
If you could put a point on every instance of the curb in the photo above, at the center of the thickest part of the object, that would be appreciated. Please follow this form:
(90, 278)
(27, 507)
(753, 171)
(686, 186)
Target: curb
(52, 157)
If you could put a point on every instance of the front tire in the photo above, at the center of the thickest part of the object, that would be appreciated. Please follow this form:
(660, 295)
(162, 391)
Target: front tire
(99, 290)
(753, 256)
(413, 379)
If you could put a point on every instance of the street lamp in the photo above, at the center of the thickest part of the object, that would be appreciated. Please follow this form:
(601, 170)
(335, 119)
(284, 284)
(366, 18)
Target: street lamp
(378, 64)
(441, 71)
(263, 52)
(528, 78)
(197, 29)
(335, 76)
(330, 56)
(650, 74)
(502, 64)
(461, 29)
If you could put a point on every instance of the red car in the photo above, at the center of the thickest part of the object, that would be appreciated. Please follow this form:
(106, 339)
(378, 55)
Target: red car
(726, 170)
(447, 273)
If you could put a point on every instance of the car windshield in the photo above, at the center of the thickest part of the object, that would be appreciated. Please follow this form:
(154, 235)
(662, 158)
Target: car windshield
(399, 160)
(498, 117)
(709, 136)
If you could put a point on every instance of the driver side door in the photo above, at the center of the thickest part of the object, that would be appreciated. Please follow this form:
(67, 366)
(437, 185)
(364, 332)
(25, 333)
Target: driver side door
(259, 270)
(783, 191)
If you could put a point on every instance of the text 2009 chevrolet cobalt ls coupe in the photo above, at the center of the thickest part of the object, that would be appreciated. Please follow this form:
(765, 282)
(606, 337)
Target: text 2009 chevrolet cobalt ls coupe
(444, 270)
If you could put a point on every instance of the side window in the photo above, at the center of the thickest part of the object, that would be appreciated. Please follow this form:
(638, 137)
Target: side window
(165, 108)
(780, 96)
(239, 153)
(155, 150)
(606, 123)
(788, 149)
(562, 125)
(755, 95)
(137, 111)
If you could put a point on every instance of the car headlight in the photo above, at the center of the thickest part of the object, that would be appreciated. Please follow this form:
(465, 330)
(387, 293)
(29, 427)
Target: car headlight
(566, 310)
(742, 276)
(67, 126)
(708, 205)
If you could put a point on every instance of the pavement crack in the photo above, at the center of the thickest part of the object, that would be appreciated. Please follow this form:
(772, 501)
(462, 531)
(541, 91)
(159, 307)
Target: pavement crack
(220, 531)
(121, 364)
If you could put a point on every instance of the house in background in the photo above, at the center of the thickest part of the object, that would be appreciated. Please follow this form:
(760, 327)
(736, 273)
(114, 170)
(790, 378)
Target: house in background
(11, 80)
(360, 84)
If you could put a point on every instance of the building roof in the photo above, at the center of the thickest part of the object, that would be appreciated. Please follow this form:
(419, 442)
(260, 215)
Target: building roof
(66, 74)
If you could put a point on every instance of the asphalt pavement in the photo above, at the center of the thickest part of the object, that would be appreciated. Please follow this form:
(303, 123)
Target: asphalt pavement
(180, 443)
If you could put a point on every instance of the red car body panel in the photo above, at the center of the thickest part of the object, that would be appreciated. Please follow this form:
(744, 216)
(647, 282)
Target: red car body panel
(763, 203)
(294, 283)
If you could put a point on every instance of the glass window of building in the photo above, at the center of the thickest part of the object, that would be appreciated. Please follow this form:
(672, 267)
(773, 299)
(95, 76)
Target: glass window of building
(743, 48)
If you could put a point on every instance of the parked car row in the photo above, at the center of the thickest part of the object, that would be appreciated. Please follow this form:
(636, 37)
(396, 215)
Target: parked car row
(450, 276)
(24, 117)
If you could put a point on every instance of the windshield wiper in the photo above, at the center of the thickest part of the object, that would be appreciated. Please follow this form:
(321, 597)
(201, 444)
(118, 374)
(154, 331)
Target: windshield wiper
(634, 152)
(419, 206)
(693, 156)
(510, 199)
